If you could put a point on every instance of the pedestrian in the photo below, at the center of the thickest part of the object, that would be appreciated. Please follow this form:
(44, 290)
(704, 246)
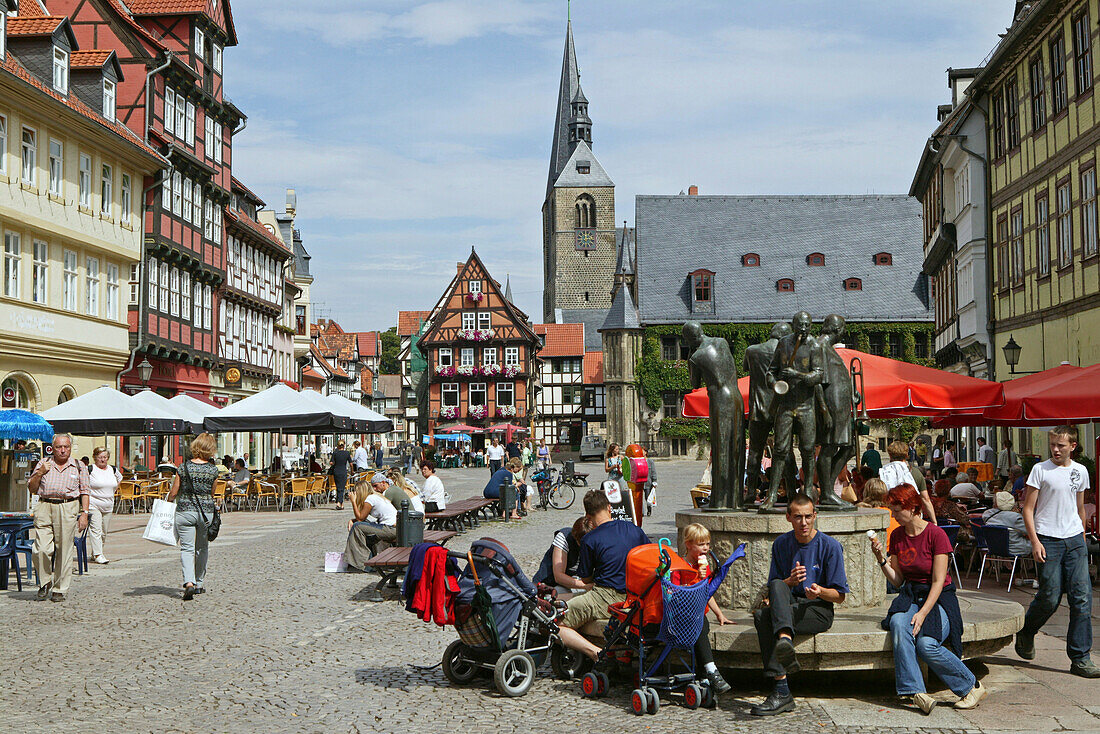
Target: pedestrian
(359, 457)
(613, 463)
(871, 458)
(986, 454)
(1054, 514)
(378, 455)
(61, 483)
(466, 454)
(340, 460)
(527, 456)
(103, 481)
(433, 494)
(937, 457)
(194, 509)
(513, 449)
(1006, 459)
(542, 454)
(494, 453)
(806, 579)
(949, 459)
(922, 452)
(924, 619)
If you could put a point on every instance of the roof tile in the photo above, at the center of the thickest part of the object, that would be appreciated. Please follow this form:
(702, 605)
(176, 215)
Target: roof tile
(593, 368)
(166, 7)
(562, 340)
(92, 59)
(35, 25)
(409, 321)
(369, 343)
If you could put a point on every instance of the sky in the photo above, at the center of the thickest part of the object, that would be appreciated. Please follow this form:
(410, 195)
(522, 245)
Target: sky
(413, 131)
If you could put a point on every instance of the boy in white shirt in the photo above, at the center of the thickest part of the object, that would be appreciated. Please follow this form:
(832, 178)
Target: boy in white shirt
(1054, 513)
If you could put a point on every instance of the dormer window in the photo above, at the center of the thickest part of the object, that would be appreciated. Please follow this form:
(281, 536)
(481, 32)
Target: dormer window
(750, 260)
(784, 285)
(815, 259)
(884, 258)
(61, 70)
(702, 286)
(853, 284)
(109, 99)
(584, 166)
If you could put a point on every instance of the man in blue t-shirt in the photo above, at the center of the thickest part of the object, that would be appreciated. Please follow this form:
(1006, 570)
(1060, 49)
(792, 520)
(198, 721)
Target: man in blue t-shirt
(807, 577)
(602, 568)
(505, 485)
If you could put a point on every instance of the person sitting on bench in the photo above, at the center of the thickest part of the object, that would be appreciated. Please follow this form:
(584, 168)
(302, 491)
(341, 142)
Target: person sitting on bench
(807, 578)
(505, 485)
(602, 568)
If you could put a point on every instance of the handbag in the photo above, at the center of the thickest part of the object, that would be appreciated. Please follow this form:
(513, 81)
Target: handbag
(214, 524)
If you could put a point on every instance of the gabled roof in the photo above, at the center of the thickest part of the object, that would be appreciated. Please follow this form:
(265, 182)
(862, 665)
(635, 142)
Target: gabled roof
(39, 25)
(408, 322)
(593, 367)
(570, 177)
(238, 186)
(370, 343)
(366, 381)
(252, 226)
(182, 7)
(93, 59)
(623, 314)
(678, 234)
(562, 340)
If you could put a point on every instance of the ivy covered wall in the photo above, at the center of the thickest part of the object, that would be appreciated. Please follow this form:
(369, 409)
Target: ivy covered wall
(657, 375)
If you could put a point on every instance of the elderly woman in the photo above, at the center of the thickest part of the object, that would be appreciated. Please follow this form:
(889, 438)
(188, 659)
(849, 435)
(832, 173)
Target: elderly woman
(375, 525)
(924, 619)
(103, 480)
(194, 508)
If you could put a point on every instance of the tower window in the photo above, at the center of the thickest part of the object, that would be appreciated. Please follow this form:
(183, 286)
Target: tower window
(583, 166)
(750, 260)
(815, 259)
(853, 284)
(784, 285)
(586, 292)
(884, 258)
(585, 212)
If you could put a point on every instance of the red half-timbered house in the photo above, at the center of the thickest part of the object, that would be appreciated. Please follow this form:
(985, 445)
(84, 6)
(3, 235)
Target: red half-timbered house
(481, 353)
(171, 55)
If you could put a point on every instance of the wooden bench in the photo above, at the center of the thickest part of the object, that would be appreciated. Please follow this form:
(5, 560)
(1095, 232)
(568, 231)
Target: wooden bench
(393, 561)
(461, 514)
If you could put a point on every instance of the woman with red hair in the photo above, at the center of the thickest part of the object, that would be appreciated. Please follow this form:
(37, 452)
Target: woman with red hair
(924, 619)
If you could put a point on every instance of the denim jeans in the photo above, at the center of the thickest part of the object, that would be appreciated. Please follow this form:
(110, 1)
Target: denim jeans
(907, 649)
(194, 549)
(1066, 571)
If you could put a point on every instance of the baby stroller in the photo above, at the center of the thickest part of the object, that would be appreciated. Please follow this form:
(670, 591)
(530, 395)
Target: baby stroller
(504, 624)
(657, 626)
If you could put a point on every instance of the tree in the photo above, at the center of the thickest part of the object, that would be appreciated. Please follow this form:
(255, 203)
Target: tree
(391, 345)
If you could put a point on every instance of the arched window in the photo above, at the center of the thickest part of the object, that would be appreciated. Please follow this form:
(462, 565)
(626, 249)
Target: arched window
(750, 260)
(883, 258)
(67, 393)
(586, 212)
(815, 259)
(16, 394)
(853, 284)
(785, 285)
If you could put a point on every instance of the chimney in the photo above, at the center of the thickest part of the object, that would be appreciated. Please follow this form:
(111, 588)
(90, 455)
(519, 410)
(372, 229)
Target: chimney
(693, 190)
(291, 201)
(458, 268)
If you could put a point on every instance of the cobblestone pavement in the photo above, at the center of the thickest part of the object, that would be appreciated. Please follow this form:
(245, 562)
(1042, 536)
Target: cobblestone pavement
(278, 645)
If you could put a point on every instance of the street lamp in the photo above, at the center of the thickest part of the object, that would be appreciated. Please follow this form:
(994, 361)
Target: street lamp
(1012, 356)
(145, 371)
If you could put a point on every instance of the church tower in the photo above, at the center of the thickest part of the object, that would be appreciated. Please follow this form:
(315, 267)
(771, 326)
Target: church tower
(578, 214)
(621, 334)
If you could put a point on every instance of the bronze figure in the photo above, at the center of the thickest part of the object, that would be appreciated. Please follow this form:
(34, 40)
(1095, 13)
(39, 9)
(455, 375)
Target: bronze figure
(758, 360)
(835, 431)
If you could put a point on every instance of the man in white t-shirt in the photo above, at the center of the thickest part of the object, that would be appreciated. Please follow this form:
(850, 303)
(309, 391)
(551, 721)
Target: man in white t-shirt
(433, 493)
(965, 489)
(360, 458)
(1054, 514)
(985, 452)
(494, 453)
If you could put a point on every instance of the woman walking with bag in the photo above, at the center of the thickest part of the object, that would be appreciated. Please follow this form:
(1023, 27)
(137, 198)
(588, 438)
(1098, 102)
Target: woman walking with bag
(103, 480)
(195, 511)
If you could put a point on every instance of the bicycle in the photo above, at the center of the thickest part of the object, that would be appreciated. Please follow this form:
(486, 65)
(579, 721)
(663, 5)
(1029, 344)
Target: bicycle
(554, 490)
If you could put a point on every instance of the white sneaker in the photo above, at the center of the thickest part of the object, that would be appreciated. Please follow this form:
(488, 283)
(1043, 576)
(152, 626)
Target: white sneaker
(972, 699)
(924, 702)
(101, 559)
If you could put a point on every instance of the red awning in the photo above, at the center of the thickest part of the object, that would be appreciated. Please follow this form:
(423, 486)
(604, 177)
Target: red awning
(1018, 394)
(460, 428)
(1073, 400)
(893, 389)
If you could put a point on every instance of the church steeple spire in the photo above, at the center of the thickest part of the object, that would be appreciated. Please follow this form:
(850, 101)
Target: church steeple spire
(571, 120)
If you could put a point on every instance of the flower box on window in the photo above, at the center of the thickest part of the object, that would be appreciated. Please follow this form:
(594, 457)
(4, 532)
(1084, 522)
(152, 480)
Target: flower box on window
(448, 412)
(506, 411)
(512, 370)
(466, 370)
(490, 370)
(475, 297)
(478, 411)
(446, 372)
(475, 335)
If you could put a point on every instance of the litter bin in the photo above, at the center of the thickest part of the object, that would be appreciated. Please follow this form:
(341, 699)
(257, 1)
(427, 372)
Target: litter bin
(410, 526)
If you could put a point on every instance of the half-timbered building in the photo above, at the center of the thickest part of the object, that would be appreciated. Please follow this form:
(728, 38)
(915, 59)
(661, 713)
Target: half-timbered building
(560, 402)
(171, 53)
(481, 353)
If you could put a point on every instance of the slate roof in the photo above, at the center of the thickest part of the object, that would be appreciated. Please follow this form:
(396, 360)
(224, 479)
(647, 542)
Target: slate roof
(567, 88)
(569, 176)
(623, 313)
(562, 340)
(679, 234)
(409, 321)
(592, 318)
(301, 255)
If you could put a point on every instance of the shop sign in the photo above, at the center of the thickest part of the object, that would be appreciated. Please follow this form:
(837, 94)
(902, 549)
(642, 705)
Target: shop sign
(233, 375)
(44, 325)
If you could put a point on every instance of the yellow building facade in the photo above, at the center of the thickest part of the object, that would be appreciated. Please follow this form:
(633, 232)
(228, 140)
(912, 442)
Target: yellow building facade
(1039, 90)
(71, 229)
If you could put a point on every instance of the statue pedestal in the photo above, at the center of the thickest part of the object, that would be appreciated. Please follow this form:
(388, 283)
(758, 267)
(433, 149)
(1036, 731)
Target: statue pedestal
(748, 578)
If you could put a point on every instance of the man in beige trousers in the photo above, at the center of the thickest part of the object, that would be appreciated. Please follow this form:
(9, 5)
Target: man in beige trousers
(61, 483)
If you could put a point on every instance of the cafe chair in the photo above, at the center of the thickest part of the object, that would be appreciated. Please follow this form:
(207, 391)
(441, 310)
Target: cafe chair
(952, 532)
(997, 552)
(81, 543)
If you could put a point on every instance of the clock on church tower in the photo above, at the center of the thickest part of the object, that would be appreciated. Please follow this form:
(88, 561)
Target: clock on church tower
(585, 239)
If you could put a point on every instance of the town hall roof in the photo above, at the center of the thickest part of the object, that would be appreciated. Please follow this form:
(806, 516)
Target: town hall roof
(679, 235)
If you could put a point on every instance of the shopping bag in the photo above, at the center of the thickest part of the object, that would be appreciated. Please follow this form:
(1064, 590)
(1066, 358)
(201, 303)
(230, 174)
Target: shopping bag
(335, 563)
(161, 527)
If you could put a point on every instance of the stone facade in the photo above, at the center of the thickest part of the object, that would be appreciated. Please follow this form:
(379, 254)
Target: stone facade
(578, 278)
(621, 349)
